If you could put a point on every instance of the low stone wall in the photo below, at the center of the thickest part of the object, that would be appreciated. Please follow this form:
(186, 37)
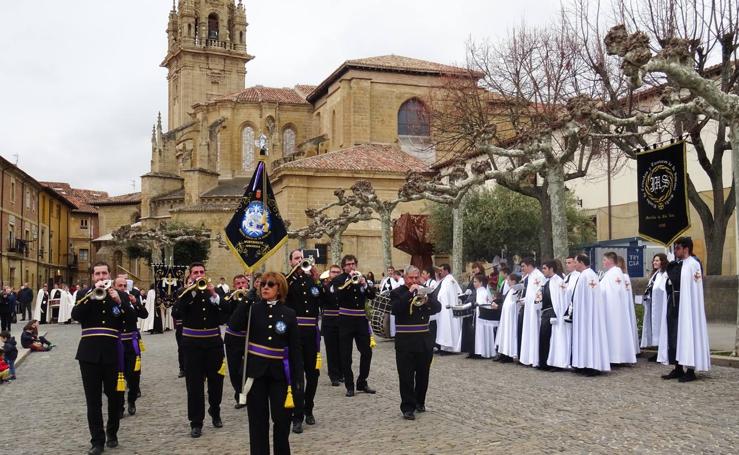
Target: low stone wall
(720, 296)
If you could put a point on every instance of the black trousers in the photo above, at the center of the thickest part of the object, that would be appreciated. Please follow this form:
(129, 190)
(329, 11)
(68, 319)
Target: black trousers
(433, 329)
(545, 334)
(330, 332)
(468, 335)
(267, 396)
(673, 310)
(235, 362)
(520, 330)
(413, 376)
(26, 309)
(97, 379)
(304, 398)
(203, 362)
(180, 355)
(133, 378)
(44, 307)
(5, 320)
(355, 329)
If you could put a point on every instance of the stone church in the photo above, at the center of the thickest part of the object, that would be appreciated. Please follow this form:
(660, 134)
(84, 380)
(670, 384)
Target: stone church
(368, 119)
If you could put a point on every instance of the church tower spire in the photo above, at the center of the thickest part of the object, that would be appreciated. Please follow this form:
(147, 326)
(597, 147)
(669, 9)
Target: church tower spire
(206, 54)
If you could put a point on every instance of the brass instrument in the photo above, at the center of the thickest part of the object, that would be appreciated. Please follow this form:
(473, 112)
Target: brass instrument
(201, 285)
(238, 294)
(97, 293)
(420, 298)
(353, 279)
(305, 265)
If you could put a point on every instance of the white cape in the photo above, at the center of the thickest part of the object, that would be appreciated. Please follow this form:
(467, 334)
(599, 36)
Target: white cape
(655, 311)
(589, 338)
(148, 323)
(66, 303)
(632, 312)
(507, 337)
(618, 325)
(692, 332)
(448, 328)
(37, 307)
(560, 342)
(531, 320)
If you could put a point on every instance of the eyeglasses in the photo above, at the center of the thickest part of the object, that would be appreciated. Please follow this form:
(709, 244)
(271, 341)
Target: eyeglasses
(269, 284)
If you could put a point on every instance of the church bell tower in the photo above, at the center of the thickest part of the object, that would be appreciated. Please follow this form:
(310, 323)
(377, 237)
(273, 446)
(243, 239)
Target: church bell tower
(206, 54)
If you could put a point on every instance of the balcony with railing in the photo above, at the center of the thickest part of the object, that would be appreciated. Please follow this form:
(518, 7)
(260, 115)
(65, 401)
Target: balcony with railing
(18, 246)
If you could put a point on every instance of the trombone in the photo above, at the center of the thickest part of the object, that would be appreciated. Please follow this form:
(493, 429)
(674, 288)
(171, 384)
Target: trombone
(97, 293)
(353, 279)
(201, 285)
(305, 265)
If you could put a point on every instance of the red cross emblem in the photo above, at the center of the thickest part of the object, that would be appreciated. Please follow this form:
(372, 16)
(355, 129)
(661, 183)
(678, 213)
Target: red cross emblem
(593, 284)
(618, 280)
(697, 276)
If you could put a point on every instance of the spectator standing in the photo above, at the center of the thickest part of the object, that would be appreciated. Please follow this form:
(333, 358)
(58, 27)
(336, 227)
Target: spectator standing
(25, 300)
(6, 312)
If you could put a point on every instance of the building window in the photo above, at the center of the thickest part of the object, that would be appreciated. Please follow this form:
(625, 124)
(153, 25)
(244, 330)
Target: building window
(83, 223)
(413, 119)
(12, 191)
(288, 141)
(28, 198)
(213, 26)
(84, 255)
(247, 147)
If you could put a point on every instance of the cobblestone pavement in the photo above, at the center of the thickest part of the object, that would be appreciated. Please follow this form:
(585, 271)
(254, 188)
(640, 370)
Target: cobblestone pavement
(474, 406)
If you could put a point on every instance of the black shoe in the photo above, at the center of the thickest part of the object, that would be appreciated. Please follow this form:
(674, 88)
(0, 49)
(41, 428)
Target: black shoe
(112, 443)
(335, 382)
(239, 406)
(95, 450)
(297, 427)
(341, 380)
(420, 408)
(408, 415)
(652, 358)
(688, 377)
(182, 374)
(349, 392)
(674, 374)
(131, 409)
(122, 414)
(138, 394)
(217, 422)
(195, 432)
(309, 419)
(367, 389)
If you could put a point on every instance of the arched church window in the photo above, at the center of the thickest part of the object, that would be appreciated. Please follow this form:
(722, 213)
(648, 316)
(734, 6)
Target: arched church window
(213, 26)
(288, 141)
(413, 119)
(247, 147)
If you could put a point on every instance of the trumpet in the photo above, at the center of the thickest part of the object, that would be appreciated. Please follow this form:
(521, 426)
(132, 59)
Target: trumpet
(353, 279)
(305, 265)
(238, 294)
(201, 285)
(97, 293)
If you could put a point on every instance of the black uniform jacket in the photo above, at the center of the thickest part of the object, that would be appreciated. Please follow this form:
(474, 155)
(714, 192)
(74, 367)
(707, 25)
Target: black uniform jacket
(234, 340)
(198, 312)
(353, 296)
(304, 296)
(329, 305)
(275, 327)
(546, 302)
(99, 314)
(134, 311)
(413, 341)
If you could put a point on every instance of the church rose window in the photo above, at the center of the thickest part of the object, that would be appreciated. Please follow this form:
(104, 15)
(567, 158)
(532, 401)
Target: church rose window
(413, 119)
(247, 146)
(288, 141)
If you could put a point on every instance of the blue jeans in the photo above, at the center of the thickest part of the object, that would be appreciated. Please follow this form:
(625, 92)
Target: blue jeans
(11, 364)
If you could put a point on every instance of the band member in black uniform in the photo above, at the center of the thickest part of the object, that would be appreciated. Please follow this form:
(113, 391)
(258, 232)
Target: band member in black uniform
(414, 345)
(274, 363)
(549, 269)
(330, 326)
(234, 339)
(131, 348)
(100, 354)
(304, 296)
(353, 324)
(202, 347)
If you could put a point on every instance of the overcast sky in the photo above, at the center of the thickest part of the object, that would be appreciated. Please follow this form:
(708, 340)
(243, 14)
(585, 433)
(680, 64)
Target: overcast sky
(80, 82)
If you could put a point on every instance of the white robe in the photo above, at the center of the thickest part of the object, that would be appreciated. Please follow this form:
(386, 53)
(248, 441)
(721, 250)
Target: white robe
(448, 328)
(560, 342)
(484, 329)
(507, 337)
(693, 350)
(390, 283)
(589, 338)
(618, 325)
(655, 311)
(66, 303)
(148, 323)
(531, 320)
(632, 312)
(37, 307)
(431, 284)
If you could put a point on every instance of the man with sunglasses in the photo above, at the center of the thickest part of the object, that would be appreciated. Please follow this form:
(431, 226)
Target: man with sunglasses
(202, 348)
(304, 296)
(353, 324)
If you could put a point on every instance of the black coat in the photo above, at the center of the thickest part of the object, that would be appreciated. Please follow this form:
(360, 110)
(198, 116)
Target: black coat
(11, 349)
(198, 312)
(353, 296)
(400, 301)
(106, 313)
(25, 295)
(304, 296)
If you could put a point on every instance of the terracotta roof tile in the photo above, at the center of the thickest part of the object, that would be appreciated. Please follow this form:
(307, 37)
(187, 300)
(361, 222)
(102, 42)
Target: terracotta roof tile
(123, 199)
(362, 158)
(80, 197)
(261, 94)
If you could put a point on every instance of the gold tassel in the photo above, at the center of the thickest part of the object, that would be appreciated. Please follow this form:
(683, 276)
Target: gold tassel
(373, 343)
(142, 348)
(289, 404)
(137, 366)
(222, 370)
(121, 386)
(318, 361)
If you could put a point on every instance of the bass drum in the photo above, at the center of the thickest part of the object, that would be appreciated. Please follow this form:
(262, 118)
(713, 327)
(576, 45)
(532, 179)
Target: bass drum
(380, 314)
